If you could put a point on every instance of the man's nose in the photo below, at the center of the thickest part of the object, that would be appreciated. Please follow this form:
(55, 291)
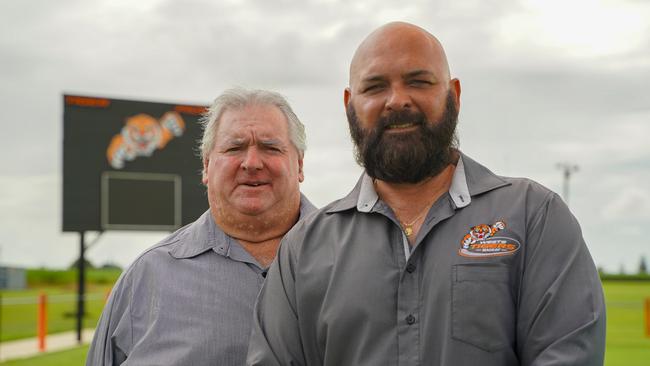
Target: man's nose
(252, 159)
(398, 99)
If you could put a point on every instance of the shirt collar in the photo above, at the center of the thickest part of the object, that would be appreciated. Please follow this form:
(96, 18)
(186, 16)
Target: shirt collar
(204, 234)
(458, 190)
(367, 194)
(200, 236)
(470, 179)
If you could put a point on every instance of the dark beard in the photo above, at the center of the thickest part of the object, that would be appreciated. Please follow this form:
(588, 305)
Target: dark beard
(406, 157)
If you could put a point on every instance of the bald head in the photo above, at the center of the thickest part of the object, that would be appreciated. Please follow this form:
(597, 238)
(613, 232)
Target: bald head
(398, 40)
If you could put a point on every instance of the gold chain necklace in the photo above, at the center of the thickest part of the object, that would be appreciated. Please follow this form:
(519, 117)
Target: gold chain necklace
(408, 228)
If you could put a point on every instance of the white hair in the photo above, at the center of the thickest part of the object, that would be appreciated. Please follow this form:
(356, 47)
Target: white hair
(238, 98)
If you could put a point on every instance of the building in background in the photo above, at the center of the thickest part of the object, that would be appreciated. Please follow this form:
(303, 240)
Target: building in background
(13, 278)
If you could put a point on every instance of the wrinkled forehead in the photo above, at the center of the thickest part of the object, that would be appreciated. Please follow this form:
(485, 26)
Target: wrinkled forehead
(259, 121)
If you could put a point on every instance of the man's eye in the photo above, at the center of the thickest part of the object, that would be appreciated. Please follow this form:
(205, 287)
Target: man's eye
(371, 88)
(418, 82)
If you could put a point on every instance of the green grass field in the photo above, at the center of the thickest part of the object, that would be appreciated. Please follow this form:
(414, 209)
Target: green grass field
(19, 320)
(18, 315)
(627, 344)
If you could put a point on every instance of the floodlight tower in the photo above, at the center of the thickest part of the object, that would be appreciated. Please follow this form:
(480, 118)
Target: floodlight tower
(567, 170)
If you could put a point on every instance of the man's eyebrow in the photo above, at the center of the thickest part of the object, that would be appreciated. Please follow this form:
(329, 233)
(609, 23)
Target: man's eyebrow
(416, 73)
(232, 141)
(373, 78)
(271, 142)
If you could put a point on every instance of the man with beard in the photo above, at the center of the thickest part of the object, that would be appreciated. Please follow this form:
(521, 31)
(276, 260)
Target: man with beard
(432, 259)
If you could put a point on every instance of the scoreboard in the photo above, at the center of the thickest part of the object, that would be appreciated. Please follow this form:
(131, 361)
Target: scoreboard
(130, 165)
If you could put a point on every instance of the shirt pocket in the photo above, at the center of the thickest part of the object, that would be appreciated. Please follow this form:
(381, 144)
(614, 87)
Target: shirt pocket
(483, 309)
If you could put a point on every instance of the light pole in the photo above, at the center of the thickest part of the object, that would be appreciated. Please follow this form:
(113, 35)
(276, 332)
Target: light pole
(567, 170)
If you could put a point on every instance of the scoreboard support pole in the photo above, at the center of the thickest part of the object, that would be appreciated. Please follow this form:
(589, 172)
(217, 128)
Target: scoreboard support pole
(81, 265)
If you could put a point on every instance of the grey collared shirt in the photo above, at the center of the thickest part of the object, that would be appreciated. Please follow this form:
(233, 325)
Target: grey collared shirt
(499, 275)
(186, 301)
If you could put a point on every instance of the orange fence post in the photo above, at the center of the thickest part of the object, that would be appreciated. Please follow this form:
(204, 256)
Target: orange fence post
(647, 317)
(41, 325)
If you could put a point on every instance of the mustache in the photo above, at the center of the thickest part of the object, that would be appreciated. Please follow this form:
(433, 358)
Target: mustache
(399, 117)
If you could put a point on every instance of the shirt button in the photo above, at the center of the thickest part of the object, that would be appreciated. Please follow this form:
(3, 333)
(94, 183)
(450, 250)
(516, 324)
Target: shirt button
(410, 319)
(410, 268)
(264, 274)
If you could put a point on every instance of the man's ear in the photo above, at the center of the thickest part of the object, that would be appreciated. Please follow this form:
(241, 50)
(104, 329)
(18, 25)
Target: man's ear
(204, 174)
(301, 174)
(454, 86)
(346, 97)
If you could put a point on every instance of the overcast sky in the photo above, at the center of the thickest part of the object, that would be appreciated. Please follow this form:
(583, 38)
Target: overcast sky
(543, 82)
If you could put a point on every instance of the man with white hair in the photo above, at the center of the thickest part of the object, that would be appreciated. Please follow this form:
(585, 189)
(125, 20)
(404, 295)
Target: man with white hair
(189, 299)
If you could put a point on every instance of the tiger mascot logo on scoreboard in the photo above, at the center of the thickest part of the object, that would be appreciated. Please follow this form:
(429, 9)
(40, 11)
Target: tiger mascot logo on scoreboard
(142, 135)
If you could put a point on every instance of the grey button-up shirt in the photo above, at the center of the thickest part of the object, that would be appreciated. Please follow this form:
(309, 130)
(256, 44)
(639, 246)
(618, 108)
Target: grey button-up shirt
(186, 301)
(499, 275)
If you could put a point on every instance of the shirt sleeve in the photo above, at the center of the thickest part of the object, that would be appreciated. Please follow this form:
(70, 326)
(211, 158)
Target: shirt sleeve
(113, 333)
(561, 315)
(275, 337)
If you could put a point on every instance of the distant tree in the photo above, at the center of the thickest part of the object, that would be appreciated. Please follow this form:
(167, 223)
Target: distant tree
(110, 265)
(75, 264)
(643, 267)
(621, 269)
